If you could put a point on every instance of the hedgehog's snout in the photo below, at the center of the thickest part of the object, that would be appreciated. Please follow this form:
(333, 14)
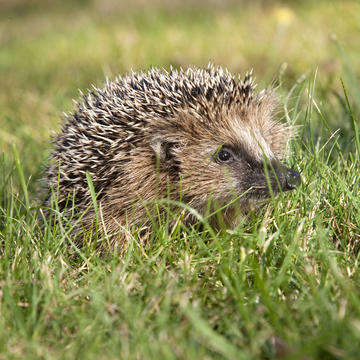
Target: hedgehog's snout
(288, 178)
(292, 179)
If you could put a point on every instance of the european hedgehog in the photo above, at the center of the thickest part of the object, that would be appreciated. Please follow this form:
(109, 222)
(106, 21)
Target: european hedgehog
(186, 135)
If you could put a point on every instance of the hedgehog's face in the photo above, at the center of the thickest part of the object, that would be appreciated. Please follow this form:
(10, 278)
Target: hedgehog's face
(236, 155)
(250, 177)
(229, 171)
(243, 167)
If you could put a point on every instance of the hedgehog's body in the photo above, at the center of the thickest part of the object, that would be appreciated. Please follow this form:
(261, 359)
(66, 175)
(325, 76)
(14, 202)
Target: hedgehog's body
(183, 135)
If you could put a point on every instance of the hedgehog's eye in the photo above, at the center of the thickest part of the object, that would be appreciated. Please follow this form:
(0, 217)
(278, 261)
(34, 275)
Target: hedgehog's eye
(224, 156)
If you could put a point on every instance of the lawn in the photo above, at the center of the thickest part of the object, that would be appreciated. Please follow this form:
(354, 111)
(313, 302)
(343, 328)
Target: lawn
(284, 283)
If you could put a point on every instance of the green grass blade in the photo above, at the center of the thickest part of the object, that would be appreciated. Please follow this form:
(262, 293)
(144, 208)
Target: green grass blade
(21, 176)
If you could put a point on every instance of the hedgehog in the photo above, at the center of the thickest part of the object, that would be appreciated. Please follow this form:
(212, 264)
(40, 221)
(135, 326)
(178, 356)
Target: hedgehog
(186, 135)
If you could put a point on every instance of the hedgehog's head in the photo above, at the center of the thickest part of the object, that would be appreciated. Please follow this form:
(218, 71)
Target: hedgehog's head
(228, 151)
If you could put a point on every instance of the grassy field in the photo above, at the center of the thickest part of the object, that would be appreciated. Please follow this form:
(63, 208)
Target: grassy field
(285, 283)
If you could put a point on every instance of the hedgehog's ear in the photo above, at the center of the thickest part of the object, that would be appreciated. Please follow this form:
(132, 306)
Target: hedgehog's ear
(163, 146)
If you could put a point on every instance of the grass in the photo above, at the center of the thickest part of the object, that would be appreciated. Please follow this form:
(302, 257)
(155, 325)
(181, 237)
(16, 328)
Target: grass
(283, 283)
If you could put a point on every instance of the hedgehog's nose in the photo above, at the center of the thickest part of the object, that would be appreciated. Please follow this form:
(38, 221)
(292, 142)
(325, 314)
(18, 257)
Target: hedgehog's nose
(292, 179)
(288, 178)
